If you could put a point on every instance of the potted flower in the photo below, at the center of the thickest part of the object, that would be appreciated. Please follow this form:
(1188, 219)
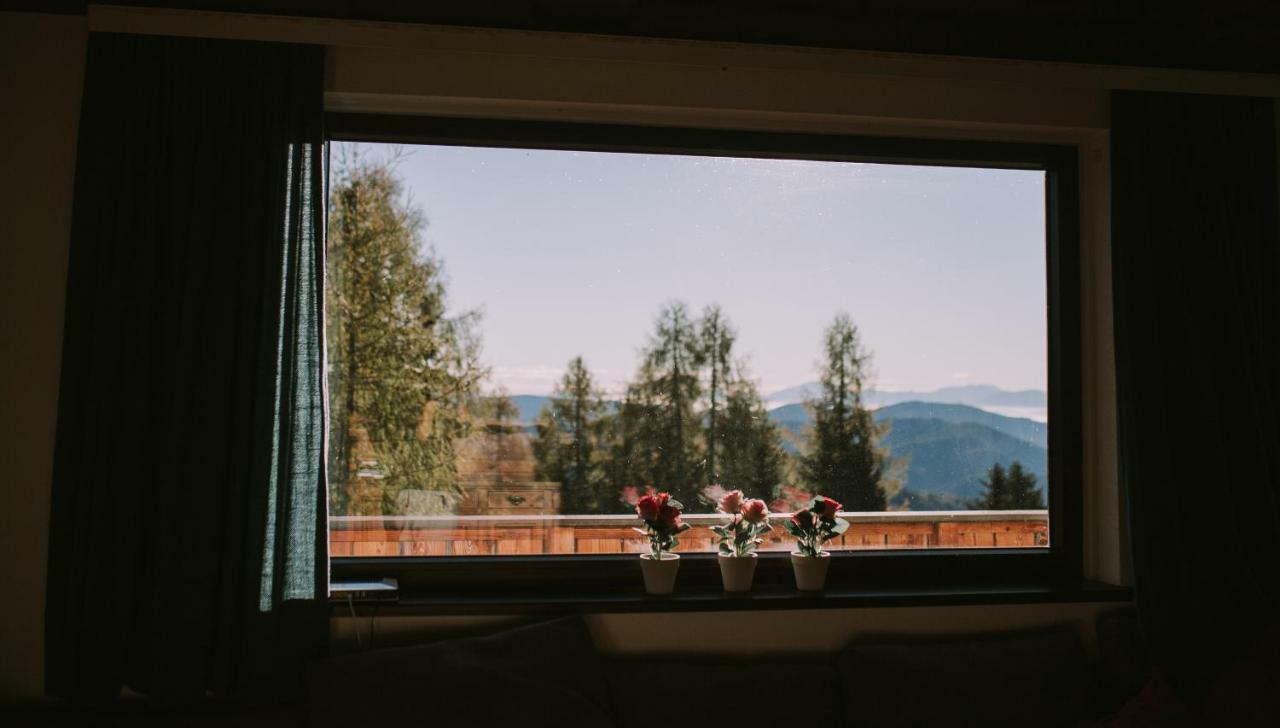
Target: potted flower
(661, 516)
(748, 521)
(812, 527)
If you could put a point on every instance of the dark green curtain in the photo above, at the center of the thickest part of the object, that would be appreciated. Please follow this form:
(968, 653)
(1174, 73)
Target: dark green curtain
(1196, 266)
(187, 551)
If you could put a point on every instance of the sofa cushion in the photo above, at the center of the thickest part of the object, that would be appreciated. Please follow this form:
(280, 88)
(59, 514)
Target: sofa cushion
(544, 674)
(702, 690)
(1122, 660)
(1155, 704)
(1039, 678)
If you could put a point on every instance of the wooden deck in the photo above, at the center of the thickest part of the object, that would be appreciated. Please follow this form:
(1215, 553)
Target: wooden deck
(537, 535)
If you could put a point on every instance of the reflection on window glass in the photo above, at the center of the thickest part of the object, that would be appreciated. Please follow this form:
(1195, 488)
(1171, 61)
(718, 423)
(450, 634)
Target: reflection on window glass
(523, 342)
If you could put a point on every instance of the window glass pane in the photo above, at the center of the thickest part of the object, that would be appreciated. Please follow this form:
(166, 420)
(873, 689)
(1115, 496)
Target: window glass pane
(522, 342)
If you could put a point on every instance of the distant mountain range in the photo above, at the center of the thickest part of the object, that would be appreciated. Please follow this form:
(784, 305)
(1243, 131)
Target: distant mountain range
(529, 405)
(983, 396)
(950, 445)
(1036, 433)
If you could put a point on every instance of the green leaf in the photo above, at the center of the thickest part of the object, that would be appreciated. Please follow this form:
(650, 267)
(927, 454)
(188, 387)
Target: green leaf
(641, 531)
(683, 527)
(676, 504)
(724, 549)
(718, 530)
(792, 529)
(763, 528)
(672, 543)
(840, 526)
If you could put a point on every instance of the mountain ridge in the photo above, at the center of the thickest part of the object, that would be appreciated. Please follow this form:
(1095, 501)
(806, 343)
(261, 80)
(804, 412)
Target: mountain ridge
(948, 446)
(974, 395)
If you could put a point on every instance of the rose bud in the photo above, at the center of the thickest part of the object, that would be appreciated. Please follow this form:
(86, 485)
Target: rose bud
(829, 509)
(647, 508)
(754, 511)
(668, 517)
(731, 502)
(803, 519)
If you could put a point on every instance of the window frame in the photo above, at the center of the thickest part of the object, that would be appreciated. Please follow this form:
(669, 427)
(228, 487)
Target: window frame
(566, 579)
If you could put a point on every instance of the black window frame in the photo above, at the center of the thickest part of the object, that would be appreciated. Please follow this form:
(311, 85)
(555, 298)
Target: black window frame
(465, 584)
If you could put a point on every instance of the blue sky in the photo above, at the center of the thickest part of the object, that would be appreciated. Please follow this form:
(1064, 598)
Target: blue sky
(567, 253)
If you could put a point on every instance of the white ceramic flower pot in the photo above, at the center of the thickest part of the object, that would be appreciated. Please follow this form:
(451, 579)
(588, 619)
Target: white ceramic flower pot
(811, 571)
(737, 572)
(659, 574)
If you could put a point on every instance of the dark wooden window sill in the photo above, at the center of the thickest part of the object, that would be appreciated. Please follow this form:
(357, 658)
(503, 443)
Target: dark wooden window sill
(762, 598)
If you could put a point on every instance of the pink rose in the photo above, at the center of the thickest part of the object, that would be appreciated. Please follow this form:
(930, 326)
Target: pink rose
(828, 509)
(731, 502)
(754, 511)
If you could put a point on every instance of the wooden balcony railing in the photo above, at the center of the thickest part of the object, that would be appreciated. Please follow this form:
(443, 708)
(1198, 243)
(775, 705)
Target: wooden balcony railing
(537, 535)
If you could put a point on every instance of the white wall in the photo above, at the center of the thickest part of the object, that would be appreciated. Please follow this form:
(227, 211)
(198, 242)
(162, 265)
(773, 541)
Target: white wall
(41, 70)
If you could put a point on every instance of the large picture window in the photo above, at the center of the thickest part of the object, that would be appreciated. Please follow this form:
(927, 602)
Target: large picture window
(524, 339)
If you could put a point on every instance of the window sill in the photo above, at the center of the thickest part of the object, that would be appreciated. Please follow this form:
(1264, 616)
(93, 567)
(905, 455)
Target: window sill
(762, 598)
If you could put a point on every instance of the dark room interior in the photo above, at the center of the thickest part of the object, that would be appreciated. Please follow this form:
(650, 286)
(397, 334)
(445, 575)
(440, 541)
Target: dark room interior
(923, 363)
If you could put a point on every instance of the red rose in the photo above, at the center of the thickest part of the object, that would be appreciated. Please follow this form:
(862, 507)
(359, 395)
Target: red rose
(647, 508)
(803, 519)
(668, 517)
(828, 508)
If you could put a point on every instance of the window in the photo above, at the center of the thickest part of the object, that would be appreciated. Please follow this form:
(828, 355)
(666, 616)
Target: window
(529, 325)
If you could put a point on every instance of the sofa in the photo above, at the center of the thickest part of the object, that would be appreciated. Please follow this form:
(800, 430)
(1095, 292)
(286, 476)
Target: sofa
(550, 674)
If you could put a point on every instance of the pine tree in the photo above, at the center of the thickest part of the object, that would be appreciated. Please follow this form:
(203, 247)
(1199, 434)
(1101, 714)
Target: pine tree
(662, 427)
(401, 368)
(843, 458)
(629, 465)
(1023, 492)
(493, 408)
(717, 340)
(569, 447)
(753, 457)
(743, 446)
(1014, 489)
(995, 491)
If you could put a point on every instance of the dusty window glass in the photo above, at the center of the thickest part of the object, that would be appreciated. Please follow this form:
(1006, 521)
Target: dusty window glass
(522, 342)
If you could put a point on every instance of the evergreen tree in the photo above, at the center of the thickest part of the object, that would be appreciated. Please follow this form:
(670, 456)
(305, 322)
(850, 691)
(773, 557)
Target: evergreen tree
(401, 368)
(628, 465)
(569, 446)
(843, 458)
(743, 446)
(494, 408)
(1024, 494)
(1014, 489)
(717, 341)
(662, 427)
(995, 491)
(752, 456)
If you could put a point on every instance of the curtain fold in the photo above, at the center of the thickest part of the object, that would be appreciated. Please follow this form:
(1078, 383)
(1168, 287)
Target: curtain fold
(187, 545)
(1196, 270)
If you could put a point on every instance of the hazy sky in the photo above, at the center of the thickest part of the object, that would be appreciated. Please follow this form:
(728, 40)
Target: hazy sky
(567, 253)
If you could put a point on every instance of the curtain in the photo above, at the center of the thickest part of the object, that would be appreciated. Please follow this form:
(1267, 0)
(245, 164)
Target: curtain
(1196, 267)
(187, 546)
